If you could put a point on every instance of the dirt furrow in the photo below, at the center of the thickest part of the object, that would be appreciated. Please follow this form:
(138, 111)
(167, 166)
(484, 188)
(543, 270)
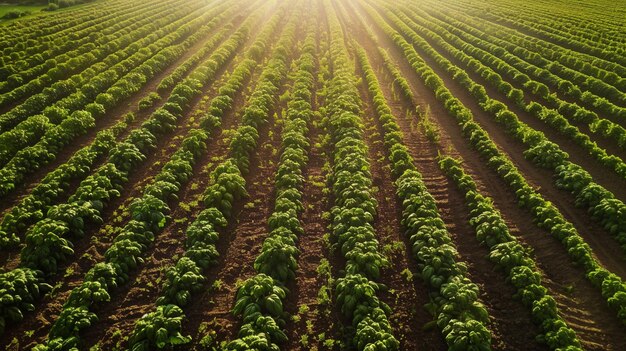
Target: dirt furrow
(209, 315)
(313, 318)
(405, 294)
(239, 244)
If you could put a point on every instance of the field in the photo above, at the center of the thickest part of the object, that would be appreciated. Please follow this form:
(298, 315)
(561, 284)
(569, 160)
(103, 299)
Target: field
(31, 9)
(314, 175)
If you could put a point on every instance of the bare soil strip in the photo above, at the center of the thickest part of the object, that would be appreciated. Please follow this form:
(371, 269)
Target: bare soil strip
(239, 244)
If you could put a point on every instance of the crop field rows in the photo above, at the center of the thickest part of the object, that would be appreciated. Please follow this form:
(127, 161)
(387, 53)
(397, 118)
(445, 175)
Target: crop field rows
(314, 175)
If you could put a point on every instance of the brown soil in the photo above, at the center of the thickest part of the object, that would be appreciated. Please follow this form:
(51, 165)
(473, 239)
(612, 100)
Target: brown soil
(239, 244)
(317, 318)
(315, 323)
(405, 295)
(314, 318)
